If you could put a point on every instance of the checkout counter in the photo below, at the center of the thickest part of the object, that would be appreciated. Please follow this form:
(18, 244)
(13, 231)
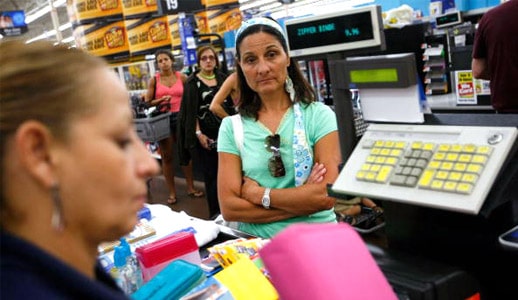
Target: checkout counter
(447, 103)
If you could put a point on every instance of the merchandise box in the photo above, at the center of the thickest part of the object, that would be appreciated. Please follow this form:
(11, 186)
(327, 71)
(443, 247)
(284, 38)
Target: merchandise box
(88, 11)
(222, 20)
(176, 41)
(139, 8)
(146, 35)
(105, 39)
(202, 23)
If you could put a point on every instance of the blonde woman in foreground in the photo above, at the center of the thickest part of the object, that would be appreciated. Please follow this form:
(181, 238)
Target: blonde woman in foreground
(73, 171)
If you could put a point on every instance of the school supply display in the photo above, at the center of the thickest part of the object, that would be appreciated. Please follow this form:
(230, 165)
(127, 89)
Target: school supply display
(143, 230)
(243, 276)
(172, 282)
(155, 256)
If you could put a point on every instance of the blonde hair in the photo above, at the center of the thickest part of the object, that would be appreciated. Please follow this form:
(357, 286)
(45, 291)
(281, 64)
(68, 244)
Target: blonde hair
(45, 83)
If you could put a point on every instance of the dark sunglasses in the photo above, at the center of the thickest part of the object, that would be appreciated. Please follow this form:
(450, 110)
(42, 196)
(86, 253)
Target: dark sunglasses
(275, 164)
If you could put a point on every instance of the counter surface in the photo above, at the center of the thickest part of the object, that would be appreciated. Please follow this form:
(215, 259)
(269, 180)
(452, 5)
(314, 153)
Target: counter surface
(448, 102)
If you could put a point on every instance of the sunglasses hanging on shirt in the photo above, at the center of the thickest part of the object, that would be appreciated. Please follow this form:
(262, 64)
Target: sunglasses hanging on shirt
(275, 164)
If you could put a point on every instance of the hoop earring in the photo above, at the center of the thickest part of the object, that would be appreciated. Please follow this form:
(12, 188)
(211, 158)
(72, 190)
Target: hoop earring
(57, 221)
(288, 86)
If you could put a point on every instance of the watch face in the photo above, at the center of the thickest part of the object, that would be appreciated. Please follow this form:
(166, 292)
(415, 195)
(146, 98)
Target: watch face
(266, 201)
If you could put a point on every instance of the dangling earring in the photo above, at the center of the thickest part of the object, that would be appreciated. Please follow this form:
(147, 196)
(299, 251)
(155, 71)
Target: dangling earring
(57, 221)
(288, 86)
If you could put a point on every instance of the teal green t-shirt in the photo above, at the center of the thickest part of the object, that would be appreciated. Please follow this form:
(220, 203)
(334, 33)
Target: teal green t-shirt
(319, 120)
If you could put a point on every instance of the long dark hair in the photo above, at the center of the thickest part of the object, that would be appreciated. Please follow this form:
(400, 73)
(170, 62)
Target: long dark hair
(250, 103)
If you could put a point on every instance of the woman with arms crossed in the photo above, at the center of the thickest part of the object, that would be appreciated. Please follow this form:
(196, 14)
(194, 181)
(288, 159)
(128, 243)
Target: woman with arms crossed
(287, 136)
(73, 169)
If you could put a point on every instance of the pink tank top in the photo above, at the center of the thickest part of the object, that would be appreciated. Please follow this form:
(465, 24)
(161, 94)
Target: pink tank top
(176, 91)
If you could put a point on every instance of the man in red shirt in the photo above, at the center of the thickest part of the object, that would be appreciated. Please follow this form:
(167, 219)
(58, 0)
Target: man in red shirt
(495, 55)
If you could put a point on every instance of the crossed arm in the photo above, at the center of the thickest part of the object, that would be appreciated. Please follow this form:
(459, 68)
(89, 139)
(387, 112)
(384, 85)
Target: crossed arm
(240, 197)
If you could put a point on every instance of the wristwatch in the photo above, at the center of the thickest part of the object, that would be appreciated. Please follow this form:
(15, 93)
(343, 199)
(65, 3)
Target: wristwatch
(266, 198)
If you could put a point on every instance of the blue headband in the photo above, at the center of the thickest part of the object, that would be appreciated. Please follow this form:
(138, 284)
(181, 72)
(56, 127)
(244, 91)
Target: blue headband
(260, 21)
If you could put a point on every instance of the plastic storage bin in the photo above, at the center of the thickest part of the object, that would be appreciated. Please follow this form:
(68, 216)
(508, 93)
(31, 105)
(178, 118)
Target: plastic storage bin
(155, 256)
(153, 129)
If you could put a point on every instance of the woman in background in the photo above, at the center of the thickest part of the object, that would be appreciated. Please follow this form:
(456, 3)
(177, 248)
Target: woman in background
(73, 169)
(198, 126)
(229, 88)
(167, 87)
(265, 183)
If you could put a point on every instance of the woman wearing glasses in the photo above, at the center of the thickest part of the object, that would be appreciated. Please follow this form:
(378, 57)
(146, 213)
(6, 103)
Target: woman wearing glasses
(277, 174)
(197, 125)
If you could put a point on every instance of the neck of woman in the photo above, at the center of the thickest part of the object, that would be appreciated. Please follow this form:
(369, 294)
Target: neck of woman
(275, 101)
(167, 73)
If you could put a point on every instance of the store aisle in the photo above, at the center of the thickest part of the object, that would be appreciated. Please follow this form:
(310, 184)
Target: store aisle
(196, 207)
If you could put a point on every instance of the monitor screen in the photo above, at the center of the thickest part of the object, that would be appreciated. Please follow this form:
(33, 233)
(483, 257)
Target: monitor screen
(388, 87)
(338, 31)
(12, 23)
(381, 71)
(448, 19)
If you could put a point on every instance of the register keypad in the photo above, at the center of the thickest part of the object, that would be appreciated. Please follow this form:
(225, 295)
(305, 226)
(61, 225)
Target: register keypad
(439, 166)
(445, 167)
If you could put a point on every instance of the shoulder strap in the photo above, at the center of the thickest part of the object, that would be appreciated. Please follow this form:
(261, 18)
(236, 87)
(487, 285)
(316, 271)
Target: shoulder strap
(237, 123)
(302, 152)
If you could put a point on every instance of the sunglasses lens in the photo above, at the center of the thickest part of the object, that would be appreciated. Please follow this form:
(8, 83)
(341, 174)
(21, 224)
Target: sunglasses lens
(276, 166)
(273, 141)
(205, 58)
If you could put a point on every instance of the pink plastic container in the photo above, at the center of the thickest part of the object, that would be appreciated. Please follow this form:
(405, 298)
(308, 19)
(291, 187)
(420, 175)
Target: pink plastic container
(155, 256)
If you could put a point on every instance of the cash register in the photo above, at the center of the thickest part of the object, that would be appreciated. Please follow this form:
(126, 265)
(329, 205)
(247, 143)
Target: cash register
(433, 217)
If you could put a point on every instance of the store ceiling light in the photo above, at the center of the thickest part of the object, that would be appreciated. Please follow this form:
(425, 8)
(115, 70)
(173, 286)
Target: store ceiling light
(53, 33)
(43, 11)
(254, 4)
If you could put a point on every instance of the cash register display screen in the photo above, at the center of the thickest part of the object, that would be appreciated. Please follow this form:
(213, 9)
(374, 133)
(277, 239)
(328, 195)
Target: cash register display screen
(374, 75)
(353, 29)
